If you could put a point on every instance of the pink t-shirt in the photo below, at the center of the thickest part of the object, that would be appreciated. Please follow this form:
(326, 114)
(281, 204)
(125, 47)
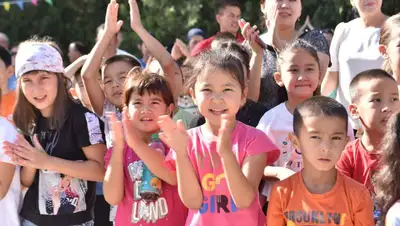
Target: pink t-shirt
(132, 210)
(218, 207)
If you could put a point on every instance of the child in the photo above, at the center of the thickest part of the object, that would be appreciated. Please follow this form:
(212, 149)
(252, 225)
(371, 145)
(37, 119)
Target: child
(10, 188)
(219, 165)
(146, 97)
(107, 97)
(374, 97)
(8, 96)
(299, 73)
(319, 194)
(67, 140)
(387, 180)
(389, 46)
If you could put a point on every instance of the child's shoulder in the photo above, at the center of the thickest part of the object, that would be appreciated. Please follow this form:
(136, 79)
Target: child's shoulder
(288, 185)
(278, 111)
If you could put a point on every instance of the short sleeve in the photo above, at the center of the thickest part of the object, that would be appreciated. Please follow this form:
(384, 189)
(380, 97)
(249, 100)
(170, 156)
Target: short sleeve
(7, 133)
(335, 46)
(88, 129)
(170, 160)
(261, 143)
(363, 207)
(275, 215)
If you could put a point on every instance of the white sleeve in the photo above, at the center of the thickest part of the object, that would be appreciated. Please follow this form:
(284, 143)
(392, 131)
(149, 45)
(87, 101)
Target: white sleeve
(393, 215)
(7, 133)
(335, 46)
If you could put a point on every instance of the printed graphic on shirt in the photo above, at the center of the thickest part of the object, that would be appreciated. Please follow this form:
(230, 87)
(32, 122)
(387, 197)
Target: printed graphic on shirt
(314, 217)
(148, 205)
(60, 194)
(215, 203)
(93, 124)
(291, 156)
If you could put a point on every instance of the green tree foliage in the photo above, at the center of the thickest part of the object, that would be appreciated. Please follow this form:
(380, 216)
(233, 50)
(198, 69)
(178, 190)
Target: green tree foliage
(73, 20)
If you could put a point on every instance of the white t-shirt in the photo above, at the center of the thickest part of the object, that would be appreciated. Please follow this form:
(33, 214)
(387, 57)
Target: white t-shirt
(354, 49)
(10, 204)
(393, 215)
(277, 123)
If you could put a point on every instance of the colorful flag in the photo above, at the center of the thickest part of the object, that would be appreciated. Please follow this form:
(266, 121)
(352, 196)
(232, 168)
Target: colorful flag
(50, 2)
(6, 6)
(21, 4)
(34, 2)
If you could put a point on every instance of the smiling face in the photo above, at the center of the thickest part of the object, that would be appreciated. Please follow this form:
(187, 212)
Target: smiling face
(114, 76)
(40, 88)
(290, 11)
(228, 19)
(215, 97)
(145, 110)
(299, 74)
(367, 6)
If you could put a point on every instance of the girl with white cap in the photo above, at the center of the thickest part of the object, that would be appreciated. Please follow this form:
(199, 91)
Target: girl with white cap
(62, 147)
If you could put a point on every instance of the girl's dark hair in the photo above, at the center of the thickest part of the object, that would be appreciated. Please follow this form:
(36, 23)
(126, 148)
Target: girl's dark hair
(25, 114)
(212, 60)
(296, 45)
(141, 82)
(387, 186)
(238, 50)
(389, 29)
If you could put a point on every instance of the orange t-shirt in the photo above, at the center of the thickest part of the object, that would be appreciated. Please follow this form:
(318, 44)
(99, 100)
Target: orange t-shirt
(347, 203)
(7, 105)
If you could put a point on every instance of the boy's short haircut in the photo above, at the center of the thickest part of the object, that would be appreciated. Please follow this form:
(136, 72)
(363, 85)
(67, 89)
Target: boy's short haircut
(318, 106)
(5, 56)
(365, 76)
(123, 58)
(141, 82)
(222, 4)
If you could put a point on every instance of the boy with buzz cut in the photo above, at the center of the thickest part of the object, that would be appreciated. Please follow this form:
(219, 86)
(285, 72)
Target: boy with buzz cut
(319, 194)
(375, 98)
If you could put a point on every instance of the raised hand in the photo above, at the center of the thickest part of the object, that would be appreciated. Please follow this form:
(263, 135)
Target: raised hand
(117, 134)
(112, 25)
(224, 141)
(173, 134)
(183, 47)
(24, 154)
(136, 22)
(132, 138)
(250, 34)
(176, 52)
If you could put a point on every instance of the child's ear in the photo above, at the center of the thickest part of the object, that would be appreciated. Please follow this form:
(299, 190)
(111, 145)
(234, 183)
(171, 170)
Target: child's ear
(170, 109)
(192, 94)
(244, 96)
(383, 50)
(278, 79)
(353, 109)
(294, 140)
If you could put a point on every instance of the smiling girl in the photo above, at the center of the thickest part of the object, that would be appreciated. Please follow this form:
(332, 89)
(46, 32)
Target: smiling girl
(62, 138)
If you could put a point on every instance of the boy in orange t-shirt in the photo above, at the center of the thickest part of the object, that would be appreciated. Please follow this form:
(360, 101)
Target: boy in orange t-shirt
(319, 194)
(7, 96)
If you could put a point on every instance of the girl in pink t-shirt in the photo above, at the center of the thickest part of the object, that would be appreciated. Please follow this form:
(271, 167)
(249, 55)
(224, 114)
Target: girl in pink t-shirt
(137, 179)
(220, 164)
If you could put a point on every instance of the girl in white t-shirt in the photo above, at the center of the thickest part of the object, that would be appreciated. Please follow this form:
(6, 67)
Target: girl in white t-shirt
(10, 188)
(387, 184)
(389, 44)
(299, 72)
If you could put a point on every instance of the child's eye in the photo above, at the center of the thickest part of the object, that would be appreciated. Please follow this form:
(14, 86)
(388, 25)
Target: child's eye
(336, 138)
(395, 99)
(293, 70)
(310, 69)
(107, 81)
(136, 103)
(155, 102)
(228, 89)
(315, 137)
(376, 100)
(122, 78)
(205, 90)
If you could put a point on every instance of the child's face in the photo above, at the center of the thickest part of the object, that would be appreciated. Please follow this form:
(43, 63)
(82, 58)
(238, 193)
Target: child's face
(321, 141)
(145, 110)
(40, 89)
(81, 91)
(218, 93)
(378, 100)
(114, 76)
(299, 74)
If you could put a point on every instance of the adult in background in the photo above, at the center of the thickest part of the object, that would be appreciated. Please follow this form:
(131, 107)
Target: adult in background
(76, 50)
(354, 49)
(228, 15)
(4, 41)
(194, 36)
(280, 18)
